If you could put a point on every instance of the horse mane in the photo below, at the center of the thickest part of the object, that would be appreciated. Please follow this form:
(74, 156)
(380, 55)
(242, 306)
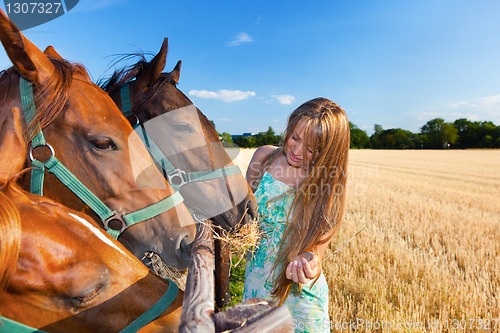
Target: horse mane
(51, 98)
(127, 74)
(10, 233)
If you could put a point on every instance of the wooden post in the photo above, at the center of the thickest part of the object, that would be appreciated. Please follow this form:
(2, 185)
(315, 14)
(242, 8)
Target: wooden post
(222, 252)
(198, 303)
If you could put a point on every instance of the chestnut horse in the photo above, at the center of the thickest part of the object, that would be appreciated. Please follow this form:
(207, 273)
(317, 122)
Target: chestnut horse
(96, 163)
(59, 272)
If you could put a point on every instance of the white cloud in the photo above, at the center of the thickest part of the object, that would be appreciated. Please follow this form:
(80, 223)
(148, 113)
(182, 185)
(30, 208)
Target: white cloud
(284, 99)
(480, 103)
(448, 116)
(242, 37)
(480, 108)
(223, 95)
(476, 109)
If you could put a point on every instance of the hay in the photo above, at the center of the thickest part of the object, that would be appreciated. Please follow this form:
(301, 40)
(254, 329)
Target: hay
(240, 242)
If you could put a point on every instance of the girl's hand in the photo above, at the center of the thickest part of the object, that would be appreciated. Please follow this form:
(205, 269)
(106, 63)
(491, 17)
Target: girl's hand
(303, 268)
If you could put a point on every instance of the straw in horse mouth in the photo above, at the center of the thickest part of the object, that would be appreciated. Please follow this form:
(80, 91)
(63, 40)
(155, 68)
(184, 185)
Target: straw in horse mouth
(158, 266)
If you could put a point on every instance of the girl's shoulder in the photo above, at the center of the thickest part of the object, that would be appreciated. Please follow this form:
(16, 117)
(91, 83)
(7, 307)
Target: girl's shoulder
(262, 152)
(255, 167)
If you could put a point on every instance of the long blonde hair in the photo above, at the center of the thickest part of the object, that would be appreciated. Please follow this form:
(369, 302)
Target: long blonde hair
(319, 204)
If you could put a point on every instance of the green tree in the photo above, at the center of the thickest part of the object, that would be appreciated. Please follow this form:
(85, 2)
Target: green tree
(359, 138)
(245, 141)
(267, 138)
(396, 138)
(375, 137)
(226, 137)
(467, 133)
(377, 129)
(487, 134)
(439, 134)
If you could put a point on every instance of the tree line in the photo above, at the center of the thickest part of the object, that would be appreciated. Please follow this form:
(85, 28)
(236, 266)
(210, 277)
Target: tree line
(435, 134)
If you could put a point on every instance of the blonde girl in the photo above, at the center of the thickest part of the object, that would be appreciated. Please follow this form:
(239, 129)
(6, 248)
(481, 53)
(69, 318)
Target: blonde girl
(301, 192)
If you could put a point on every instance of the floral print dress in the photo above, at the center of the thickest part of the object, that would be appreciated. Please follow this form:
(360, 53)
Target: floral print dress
(309, 309)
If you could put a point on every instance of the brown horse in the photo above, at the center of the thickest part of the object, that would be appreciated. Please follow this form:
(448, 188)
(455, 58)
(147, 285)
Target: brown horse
(191, 153)
(60, 273)
(187, 147)
(94, 144)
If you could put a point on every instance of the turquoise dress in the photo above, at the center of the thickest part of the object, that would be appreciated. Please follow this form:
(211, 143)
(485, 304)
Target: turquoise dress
(309, 309)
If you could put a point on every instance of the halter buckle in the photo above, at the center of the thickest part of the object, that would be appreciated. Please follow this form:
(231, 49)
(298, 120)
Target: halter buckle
(112, 221)
(52, 152)
(178, 173)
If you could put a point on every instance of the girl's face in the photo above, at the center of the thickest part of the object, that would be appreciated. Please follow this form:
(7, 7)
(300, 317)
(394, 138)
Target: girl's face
(294, 148)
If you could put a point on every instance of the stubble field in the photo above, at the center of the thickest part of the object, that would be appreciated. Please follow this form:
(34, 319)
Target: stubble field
(428, 256)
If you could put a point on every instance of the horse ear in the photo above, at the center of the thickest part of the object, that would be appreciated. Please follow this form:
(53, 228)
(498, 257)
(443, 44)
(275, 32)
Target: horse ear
(175, 74)
(29, 60)
(152, 71)
(51, 52)
(12, 146)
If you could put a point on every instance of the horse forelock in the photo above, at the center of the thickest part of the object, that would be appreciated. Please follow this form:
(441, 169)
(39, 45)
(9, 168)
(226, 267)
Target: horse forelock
(121, 77)
(51, 98)
(156, 92)
(126, 75)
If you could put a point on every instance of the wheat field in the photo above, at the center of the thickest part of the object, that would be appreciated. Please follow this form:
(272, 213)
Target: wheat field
(427, 258)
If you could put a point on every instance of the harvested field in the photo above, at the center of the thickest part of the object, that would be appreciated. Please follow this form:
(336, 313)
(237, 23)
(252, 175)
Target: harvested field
(428, 259)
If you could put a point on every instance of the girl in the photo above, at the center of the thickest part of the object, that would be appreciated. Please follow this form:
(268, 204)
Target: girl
(300, 190)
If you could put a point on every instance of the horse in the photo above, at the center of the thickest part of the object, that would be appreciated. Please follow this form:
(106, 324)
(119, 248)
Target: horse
(190, 151)
(59, 272)
(187, 147)
(95, 162)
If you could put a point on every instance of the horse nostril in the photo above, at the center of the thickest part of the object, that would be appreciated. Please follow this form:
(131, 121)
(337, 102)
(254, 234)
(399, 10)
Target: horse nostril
(251, 207)
(185, 248)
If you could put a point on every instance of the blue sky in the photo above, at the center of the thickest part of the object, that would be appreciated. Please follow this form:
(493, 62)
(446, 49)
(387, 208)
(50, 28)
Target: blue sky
(248, 64)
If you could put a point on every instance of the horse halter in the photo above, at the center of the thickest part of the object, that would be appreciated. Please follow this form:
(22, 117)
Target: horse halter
(9, 325)
(54, 166)
(176, 177)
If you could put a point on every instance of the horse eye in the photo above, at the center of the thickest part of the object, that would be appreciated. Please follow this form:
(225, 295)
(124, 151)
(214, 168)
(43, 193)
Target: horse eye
(103, 144)
(183, 127)
(81, 301)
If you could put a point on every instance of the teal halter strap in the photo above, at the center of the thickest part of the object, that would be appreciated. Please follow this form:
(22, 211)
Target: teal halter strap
(54, 166)
(126, 103)
(156, 310)
(175, 176)
(12, 326)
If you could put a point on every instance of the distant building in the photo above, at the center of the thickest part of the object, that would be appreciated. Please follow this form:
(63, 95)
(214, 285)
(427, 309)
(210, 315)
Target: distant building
(247, 134)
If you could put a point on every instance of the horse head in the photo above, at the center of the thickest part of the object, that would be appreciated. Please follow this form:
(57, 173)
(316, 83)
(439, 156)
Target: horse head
(192, 155)
(64, 274)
